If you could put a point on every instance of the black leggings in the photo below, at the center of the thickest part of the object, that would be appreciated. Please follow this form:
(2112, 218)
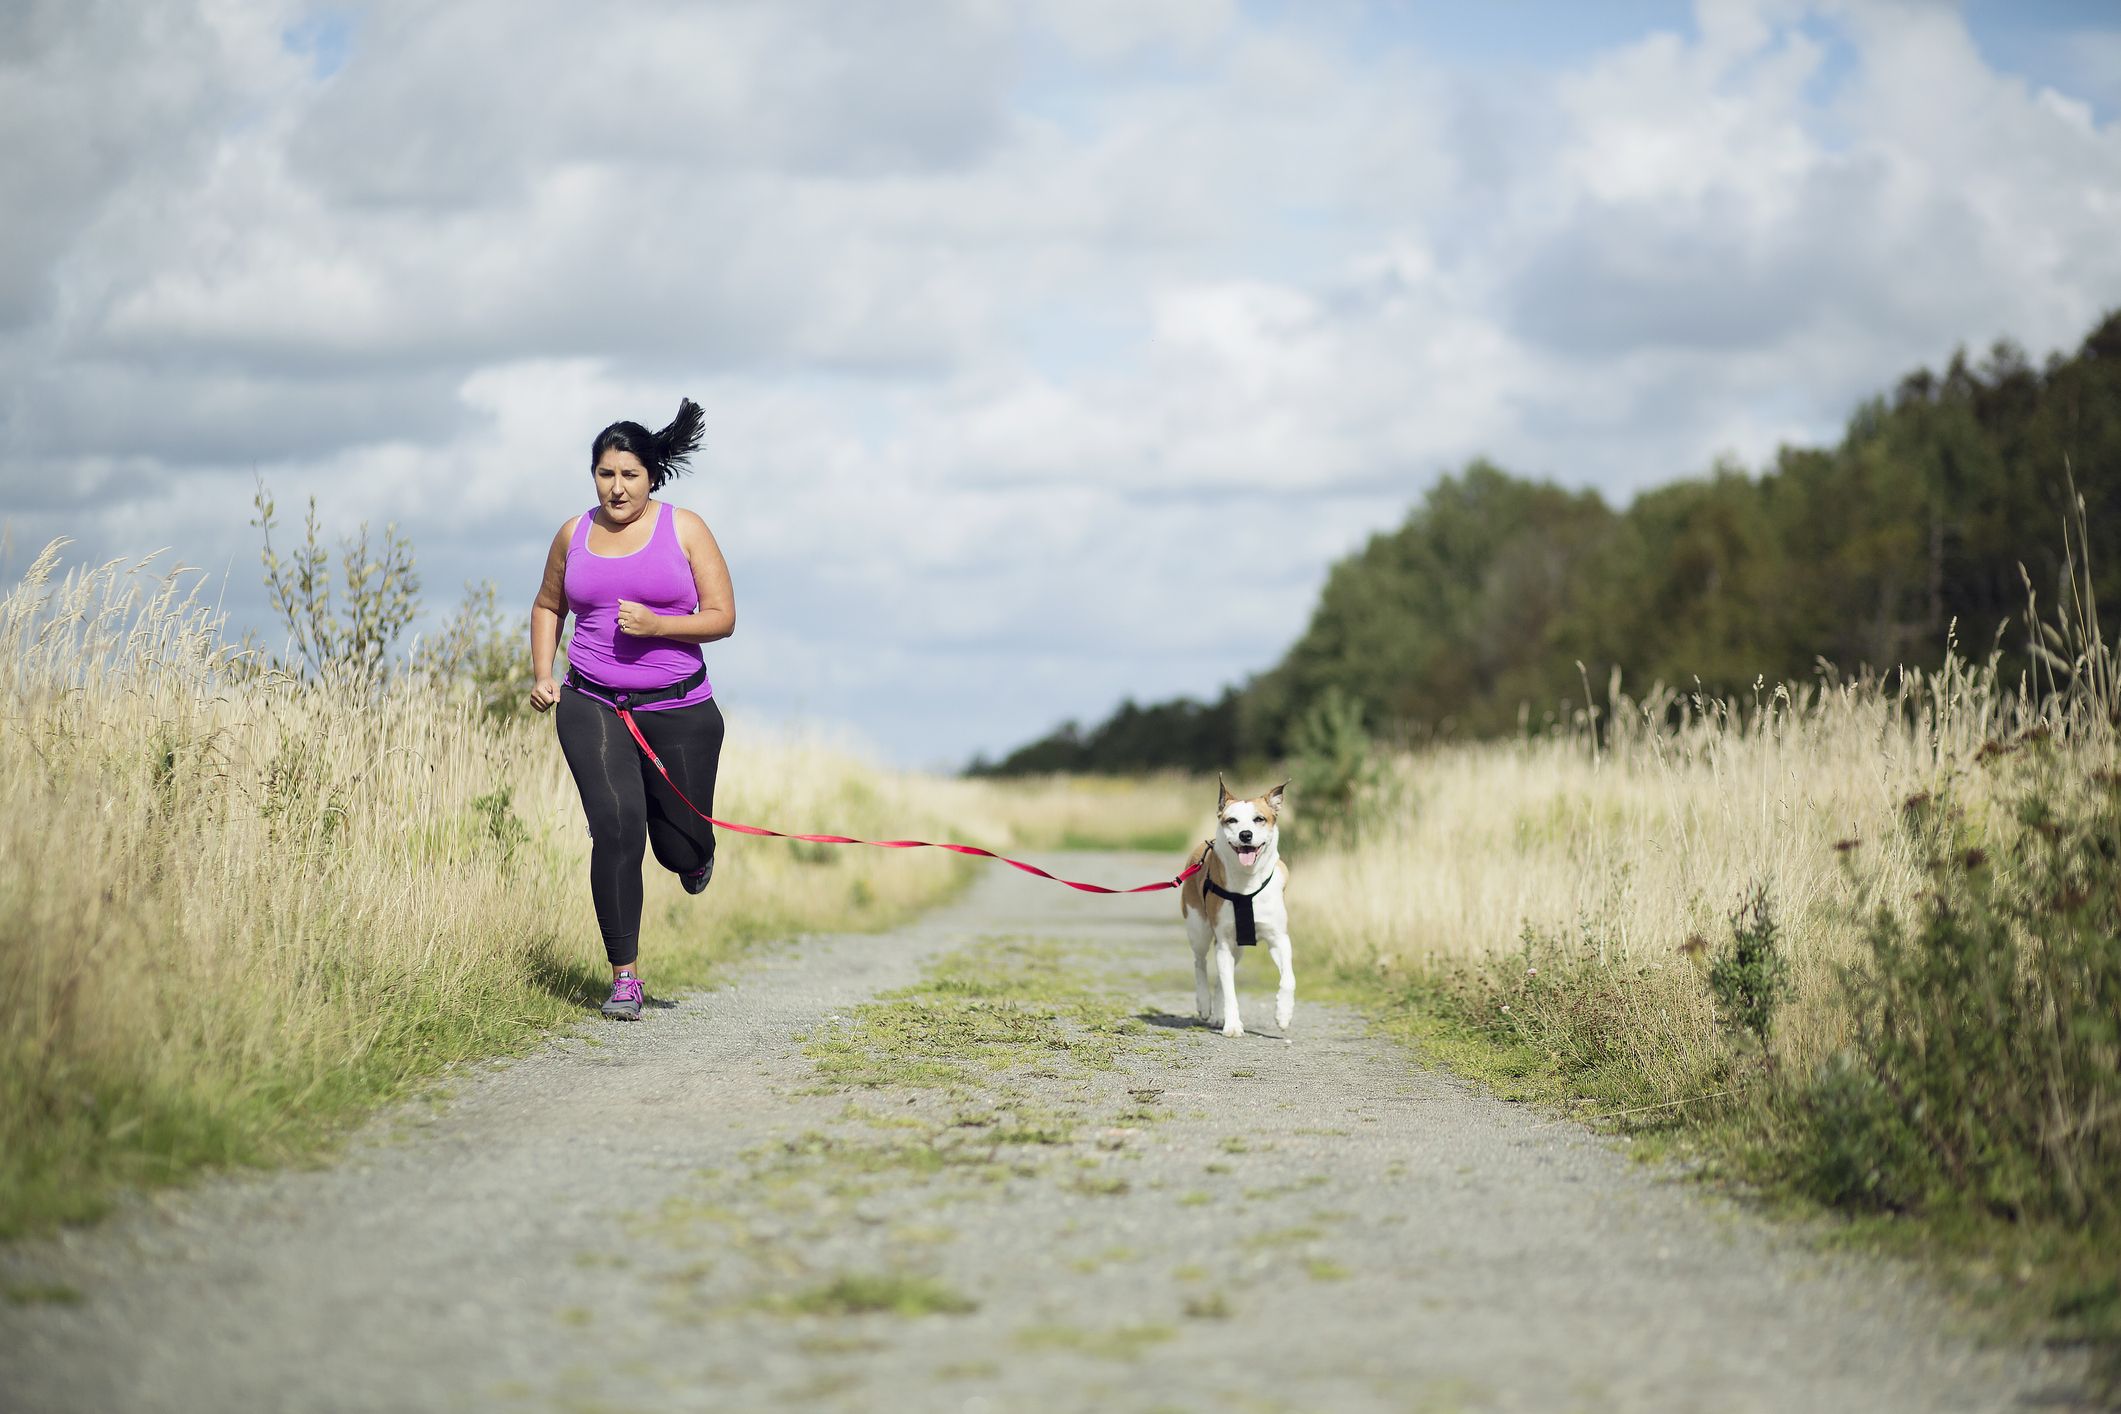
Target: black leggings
(629, 805)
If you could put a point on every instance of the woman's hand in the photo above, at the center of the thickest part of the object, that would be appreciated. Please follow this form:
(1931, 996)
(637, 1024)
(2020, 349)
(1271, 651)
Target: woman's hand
(543, 693)
(639, 620)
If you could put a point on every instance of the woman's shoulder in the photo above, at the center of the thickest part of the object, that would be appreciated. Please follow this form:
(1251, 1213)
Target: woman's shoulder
(689, 525)
(563, 539)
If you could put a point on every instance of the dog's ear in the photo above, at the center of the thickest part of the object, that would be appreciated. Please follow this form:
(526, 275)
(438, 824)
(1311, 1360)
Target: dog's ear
(1274, 797)
(1222, 793)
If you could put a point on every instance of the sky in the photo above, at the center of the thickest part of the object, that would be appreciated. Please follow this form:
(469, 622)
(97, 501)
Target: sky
(1051, 350)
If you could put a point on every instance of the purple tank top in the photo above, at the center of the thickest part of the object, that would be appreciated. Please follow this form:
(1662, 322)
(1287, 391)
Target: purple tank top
(657, 575)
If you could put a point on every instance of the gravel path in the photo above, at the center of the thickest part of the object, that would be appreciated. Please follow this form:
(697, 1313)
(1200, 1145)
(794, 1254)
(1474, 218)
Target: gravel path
(1027, 1184)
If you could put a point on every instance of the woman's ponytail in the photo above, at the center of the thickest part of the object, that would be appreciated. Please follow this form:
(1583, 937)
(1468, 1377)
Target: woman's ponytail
(664, 454)
(675, 444)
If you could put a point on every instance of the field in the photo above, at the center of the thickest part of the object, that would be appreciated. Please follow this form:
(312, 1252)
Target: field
(238, 908)
(1854, 942)
(1857, 944)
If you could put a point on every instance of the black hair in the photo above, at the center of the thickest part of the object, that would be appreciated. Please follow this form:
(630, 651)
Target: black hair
(664, 453)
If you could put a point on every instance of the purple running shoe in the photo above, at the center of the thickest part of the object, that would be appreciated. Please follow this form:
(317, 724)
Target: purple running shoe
(696, 881)
(626, 997)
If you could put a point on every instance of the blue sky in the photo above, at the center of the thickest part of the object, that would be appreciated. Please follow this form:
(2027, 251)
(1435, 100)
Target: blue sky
(1018, 326)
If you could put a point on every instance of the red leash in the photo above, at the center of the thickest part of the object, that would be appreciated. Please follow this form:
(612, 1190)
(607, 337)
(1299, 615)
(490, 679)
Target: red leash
(648, 751)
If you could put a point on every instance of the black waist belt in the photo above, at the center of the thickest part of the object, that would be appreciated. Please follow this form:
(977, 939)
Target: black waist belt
(631, 697)
(1247, 931)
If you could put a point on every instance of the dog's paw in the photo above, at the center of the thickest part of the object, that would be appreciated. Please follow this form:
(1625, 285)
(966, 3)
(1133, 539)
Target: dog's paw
(1283, 1015)
(1233, 1028)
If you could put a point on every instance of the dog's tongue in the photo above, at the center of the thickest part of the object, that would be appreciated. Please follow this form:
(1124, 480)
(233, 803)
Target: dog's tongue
(1247, 856)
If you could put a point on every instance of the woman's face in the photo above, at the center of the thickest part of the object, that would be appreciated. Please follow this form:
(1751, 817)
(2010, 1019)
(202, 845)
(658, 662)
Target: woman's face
(622, 485)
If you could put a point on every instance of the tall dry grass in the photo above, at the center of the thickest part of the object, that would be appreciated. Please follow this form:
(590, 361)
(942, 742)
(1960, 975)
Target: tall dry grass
(237, 906)
(1858, 942)
(1610, 859)
(1163, 812)
(1623, 853)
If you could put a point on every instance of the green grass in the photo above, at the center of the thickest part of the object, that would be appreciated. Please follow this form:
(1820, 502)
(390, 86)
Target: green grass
(1118, 1343)
(980, 1020)
(1002, 1005)
(876, 1293)
(41, 1293)
(124, 1135)
(968, 1370)
(1283, 1237)
(1212, 1306)
(113, 1134)
(1101, 1185)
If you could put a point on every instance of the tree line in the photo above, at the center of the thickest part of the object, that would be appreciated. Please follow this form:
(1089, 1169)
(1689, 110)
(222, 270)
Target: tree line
(1498, 599)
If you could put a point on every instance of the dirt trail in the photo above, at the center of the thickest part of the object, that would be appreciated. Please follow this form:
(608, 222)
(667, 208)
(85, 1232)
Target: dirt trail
(1028, 1184)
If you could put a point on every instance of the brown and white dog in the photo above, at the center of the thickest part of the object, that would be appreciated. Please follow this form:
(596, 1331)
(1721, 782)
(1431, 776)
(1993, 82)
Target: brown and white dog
(1240, 883)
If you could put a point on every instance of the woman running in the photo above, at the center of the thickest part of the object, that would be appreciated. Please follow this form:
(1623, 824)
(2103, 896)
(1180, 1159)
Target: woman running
(647, 586)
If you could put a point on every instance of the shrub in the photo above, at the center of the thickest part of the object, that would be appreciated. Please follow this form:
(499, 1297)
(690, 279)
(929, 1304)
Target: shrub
(1334, 764)
(486, 649)
(1986, 1064)
(1750, 978)
(381, 596)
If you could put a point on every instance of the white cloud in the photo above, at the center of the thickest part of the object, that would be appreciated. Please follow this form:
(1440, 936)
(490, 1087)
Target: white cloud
(1014, 323)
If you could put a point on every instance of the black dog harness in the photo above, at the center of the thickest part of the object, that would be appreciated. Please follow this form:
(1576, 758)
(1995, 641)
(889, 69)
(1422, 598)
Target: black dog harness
(1247, 931)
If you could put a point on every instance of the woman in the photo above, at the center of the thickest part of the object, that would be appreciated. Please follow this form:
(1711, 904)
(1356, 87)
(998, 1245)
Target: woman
(647, 586)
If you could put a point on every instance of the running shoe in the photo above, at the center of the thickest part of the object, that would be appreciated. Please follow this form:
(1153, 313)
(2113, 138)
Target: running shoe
(626, 997)
(696, 881)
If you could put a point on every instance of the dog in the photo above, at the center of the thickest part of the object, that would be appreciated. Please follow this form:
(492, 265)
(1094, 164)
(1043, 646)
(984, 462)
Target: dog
(1241, 880)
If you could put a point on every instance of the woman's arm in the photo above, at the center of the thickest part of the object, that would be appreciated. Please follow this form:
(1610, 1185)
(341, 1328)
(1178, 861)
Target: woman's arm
(547, 612)
(716, 617)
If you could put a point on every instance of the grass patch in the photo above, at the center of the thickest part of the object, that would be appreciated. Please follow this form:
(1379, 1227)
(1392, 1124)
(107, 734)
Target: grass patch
(1119, 1343)
(968, 1370)
(1283, 1190)
(41, 1293)
(876, 1293)
(1001, 1005)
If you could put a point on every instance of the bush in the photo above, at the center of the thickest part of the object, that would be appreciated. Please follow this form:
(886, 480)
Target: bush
(1335, 765)
(1986, 1065)
(486, 649)
(352, 638)
(1750, 978)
